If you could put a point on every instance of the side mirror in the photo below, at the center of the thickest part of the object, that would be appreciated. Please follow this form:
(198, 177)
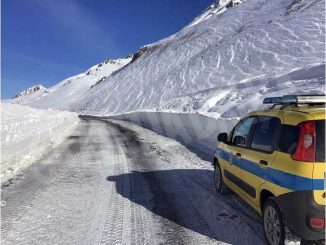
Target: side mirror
(239, 140)
(223, 137)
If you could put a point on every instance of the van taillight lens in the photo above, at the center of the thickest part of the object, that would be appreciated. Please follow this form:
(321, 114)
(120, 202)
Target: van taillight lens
(317, 222)
(305, 151)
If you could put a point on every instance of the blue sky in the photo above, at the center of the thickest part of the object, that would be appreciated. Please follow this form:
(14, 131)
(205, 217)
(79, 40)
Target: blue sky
(45, 41)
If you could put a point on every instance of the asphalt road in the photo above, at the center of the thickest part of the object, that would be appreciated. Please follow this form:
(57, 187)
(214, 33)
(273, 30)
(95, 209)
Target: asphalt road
(112, 182)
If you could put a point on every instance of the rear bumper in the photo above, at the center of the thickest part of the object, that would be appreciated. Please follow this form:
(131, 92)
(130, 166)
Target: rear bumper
(298, 207)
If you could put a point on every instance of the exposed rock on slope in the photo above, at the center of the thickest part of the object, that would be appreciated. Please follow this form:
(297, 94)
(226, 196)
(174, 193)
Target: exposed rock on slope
(31, 90)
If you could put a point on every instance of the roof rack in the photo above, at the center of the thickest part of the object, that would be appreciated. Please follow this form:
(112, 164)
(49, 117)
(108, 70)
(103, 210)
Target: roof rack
(296, 100)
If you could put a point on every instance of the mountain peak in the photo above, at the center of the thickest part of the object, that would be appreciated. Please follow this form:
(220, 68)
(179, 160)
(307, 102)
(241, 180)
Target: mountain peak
(31, 90)
(218, 7)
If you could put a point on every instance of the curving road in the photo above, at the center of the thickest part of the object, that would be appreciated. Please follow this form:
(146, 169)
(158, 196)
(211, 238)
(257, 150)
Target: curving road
(112, 182)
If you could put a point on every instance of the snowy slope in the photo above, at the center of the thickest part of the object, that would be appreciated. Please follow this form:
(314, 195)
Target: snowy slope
(27, 132)
(71, 89)
(224, 64)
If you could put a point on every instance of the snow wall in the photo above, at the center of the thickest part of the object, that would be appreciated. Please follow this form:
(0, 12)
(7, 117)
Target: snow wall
(27, 133)
(197, 132)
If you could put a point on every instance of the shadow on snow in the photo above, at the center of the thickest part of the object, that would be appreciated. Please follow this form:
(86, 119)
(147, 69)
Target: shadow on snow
(187, 198)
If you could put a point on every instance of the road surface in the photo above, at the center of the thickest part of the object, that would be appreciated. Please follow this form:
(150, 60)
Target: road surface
(113, 182)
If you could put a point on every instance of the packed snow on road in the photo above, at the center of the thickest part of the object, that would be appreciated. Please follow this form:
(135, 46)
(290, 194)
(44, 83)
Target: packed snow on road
(112, 182)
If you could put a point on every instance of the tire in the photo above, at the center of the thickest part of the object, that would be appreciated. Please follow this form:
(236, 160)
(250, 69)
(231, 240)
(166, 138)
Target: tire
(218, 178)
(273, 223)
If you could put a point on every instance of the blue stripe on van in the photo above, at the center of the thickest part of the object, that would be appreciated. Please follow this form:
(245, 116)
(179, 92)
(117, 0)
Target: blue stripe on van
(286, 180)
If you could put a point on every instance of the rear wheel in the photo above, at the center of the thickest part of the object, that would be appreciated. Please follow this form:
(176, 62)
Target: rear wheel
(274, 227)
(219, 185)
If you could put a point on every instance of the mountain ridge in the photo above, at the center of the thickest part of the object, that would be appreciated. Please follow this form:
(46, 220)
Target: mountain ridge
(70, 88)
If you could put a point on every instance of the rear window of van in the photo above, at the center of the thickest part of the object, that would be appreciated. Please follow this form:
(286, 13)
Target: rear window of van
(290, 136)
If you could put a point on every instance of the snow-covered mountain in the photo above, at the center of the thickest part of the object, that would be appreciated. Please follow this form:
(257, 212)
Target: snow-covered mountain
(36, 89)
(69, 90)
(223, 63)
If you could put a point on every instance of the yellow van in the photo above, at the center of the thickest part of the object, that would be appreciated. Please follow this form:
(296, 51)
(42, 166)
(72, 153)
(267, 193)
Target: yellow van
(275, 160)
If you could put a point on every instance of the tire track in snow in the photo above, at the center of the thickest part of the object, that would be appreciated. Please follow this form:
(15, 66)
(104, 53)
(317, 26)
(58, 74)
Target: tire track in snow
(163, 202)
(112, 228)
(125, 221)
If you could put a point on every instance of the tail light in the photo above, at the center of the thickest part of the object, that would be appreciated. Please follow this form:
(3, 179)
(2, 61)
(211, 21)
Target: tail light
(317, 222)
(305, 151)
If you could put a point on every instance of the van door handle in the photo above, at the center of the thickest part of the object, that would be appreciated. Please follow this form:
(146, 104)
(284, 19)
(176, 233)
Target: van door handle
(263, 162)
(238, 155)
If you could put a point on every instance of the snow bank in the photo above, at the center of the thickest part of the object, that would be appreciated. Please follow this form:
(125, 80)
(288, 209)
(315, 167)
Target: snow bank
(26, 133)
(196, 131)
